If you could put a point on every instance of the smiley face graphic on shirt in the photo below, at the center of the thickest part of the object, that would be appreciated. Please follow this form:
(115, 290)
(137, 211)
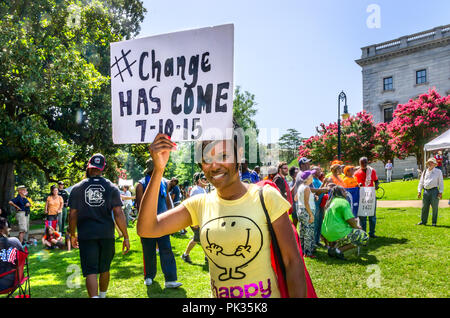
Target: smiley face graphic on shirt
(231, 242)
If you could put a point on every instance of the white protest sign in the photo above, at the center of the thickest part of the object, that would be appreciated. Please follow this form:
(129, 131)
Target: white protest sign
(367, 197)
(180, 84)
(125, 182)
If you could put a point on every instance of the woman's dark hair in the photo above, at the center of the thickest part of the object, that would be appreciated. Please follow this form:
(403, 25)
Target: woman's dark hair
(52, 188)
(335, 192)
(47, 231)
(292, 171)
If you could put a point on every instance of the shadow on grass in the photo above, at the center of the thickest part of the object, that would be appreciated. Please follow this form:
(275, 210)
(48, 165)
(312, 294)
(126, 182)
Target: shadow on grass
(204, 266)
(364, 258)
(382, 241)
(156, 291)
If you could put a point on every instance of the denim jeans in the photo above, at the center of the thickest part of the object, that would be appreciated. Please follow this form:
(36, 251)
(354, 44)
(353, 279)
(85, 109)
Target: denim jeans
(127, 211)
(430, 197)
(62, 217)
(318, 219)
(372, 221)
(166, 258)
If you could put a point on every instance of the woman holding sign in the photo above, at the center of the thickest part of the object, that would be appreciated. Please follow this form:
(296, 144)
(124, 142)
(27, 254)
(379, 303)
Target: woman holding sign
(233, 226)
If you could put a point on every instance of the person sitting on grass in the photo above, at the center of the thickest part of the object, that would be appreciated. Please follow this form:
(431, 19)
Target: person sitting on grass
(340, 228)
(52, 239)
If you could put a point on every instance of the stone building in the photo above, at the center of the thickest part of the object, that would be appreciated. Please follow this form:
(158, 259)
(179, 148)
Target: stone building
(396, 71)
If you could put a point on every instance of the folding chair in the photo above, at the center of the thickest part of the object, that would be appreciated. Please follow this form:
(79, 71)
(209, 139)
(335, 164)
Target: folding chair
(21, 282)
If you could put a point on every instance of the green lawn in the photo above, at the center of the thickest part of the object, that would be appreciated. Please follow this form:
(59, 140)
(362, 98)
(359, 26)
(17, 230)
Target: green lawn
(412, 261)
(407, 190)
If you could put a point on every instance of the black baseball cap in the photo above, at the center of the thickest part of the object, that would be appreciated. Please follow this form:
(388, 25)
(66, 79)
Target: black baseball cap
(97, 161)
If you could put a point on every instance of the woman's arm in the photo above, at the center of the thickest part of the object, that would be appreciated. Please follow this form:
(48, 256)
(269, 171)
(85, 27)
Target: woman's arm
(46, 207)
(149, 223)
(295, 271)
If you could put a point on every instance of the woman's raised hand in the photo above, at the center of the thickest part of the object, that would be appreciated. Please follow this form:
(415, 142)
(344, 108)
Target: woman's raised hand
(160, 150)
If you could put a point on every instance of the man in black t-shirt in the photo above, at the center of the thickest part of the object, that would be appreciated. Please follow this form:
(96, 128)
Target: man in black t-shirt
(62, 217)
(92, 203)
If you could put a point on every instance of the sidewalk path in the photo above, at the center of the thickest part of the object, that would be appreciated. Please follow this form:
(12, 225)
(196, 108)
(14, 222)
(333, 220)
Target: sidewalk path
(407, 204)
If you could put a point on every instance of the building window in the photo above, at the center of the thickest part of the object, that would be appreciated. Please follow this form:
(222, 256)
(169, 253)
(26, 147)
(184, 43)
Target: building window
(421, 77)
(388, 114)
(388, 84)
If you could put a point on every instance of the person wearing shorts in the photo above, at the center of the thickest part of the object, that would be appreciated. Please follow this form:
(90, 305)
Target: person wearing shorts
(22, 206)
(91, 202)
(340, 228)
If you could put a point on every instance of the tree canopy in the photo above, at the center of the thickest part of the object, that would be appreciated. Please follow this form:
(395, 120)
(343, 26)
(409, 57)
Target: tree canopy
(54, 85)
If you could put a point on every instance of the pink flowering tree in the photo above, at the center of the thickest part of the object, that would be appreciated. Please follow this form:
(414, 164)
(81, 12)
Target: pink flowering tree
(383, 150)
(357, 140)
(417, 122)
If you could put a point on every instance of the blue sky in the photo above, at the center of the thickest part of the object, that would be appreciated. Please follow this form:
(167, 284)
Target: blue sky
(297, 56)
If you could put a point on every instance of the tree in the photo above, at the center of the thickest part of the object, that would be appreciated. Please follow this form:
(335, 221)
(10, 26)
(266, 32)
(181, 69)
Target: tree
(417, 122)
(54, 84)
(357, 140)
(383, 151)
(289, 144)
(244, 110)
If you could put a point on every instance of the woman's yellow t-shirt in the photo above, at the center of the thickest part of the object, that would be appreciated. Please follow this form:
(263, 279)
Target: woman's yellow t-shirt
(235, 237)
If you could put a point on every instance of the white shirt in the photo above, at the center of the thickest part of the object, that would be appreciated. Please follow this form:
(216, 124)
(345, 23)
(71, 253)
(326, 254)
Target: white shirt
(431, 179)
(126, 194)
(196, 190)
(301, 198)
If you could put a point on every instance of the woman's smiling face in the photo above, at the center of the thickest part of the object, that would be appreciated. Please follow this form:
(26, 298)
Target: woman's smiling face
(218, 163)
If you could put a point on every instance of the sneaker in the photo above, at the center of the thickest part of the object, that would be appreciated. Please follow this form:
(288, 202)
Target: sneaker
(420, 223)
(434, 224)
(332, 252)
(148, 281)
(340, 255)
(183, 232)
(373, 236)
(172, 284)
(186, 258)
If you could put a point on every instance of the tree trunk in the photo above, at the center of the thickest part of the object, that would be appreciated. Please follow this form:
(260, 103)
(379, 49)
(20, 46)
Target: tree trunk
(7, 181)
(419, 157)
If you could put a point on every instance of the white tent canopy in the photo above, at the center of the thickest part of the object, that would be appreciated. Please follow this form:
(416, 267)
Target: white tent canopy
(440, 142)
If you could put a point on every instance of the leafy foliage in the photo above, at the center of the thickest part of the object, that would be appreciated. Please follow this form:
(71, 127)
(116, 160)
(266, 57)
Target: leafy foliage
(289, 144)
(357, 140)
(417, 122)
(54, 84)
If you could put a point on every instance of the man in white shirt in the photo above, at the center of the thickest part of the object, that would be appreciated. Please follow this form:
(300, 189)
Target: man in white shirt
(432, 183)
(388, 168)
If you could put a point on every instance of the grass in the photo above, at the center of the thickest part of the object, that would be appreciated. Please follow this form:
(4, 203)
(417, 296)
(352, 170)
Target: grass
(412, 262)
(407, 190)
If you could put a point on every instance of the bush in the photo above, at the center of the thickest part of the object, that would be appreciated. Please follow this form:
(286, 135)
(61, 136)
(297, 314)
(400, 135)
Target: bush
(37, 212)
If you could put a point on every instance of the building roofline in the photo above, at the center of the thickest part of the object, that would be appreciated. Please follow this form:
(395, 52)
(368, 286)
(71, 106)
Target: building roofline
(439, 36)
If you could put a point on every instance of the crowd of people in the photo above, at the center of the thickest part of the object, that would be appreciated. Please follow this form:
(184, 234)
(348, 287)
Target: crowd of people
(225, 208)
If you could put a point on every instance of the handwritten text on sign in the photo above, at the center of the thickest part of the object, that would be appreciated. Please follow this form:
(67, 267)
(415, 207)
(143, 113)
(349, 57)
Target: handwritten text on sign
(367, 197)
(180, 84)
